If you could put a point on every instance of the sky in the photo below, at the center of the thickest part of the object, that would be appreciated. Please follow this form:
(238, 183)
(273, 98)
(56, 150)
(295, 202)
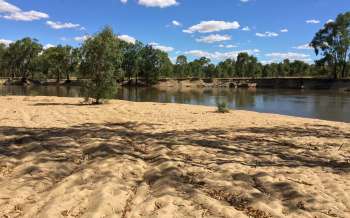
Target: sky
(271, 30)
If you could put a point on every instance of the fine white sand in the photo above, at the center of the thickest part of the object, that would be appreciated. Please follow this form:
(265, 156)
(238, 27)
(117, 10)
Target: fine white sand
(125, 159)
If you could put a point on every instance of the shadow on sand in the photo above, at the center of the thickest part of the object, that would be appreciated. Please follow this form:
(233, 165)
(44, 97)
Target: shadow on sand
(249, 148)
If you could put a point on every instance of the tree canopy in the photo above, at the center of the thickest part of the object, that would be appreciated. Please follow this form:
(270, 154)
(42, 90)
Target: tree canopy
(332, 42)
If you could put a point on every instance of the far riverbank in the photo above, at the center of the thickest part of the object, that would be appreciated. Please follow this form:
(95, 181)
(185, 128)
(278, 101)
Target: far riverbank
(272, 83)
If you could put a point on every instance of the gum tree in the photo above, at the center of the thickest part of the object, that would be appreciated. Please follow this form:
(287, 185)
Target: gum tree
(101, 64)
(332, 42)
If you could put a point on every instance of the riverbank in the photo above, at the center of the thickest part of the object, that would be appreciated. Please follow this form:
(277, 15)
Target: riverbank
(272, 83)
(126, 159)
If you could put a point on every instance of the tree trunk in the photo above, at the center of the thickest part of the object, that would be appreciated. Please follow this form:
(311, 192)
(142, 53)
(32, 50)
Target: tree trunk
(58, 78)
(335, 73)
(343, 70)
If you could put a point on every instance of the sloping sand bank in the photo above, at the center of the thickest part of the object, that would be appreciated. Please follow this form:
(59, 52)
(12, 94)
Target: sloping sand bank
(126, 159)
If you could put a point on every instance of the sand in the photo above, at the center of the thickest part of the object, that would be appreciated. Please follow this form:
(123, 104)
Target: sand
(59, 158)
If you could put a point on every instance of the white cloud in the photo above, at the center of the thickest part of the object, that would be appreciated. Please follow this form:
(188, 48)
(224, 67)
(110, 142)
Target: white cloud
(5, 42)
(158, 3)
(212, 26)
(124, 1)
(214, 38)
(59, 25)
(6, 7)
(48, 46)
(246, 28)
(277, 56)
(26, 16)
(285, 30)
(313, 21)
(219, 56)
(244, 1)
(81, 38)
(12, 12)
(267, 34)
(303, 47)
(227, 46)
(161, 47)
(127, 38)
(176, 23)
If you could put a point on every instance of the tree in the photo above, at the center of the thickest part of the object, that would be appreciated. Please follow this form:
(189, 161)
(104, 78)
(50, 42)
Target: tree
(226, 68)
(242, 64)
(2, 53)
(20, 56)
(198, 67)
(132, 58)
(181, 67)
(333, 42)
(153, 64)
(166, 67)
(252, 67)
(101, 64)
(60, 60)
(286, 67)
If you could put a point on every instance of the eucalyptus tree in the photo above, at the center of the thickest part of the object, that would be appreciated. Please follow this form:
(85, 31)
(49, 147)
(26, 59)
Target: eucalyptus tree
(332, 42)
(59, 61)
(198, 67)
(252, 67)
(20, 56)
(166, 67)
(2, 53)
(242, 64)
(73, 60)
(153, 64)
(181, 66)
(132, 58)
(226, 68)
(101, 64)
(210, 71)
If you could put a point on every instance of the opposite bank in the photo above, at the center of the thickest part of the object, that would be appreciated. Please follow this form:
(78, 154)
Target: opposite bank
(278, 83)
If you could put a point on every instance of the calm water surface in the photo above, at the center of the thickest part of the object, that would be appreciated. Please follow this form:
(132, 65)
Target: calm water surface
(325, 105)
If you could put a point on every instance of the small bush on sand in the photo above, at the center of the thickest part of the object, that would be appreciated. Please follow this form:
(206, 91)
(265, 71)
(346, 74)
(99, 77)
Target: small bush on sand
(223, 107)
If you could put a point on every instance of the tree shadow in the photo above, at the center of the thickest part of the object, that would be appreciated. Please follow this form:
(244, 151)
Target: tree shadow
(253, 148)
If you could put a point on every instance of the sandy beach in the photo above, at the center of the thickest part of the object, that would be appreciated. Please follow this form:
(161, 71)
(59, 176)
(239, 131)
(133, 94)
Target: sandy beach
(59, 158)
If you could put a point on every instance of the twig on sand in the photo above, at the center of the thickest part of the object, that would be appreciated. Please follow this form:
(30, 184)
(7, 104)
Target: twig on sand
(340, 147)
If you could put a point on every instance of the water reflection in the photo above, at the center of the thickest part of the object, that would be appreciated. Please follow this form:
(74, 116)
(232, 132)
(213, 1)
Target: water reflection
(306, 103)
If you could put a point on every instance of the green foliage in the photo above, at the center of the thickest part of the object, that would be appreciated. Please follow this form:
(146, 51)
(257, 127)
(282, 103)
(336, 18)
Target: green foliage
(20, 55)
(181, 68)
(154, 63)
(332, 42)
(101, 64)
(222, 107)
(132, 58)
(58, 61)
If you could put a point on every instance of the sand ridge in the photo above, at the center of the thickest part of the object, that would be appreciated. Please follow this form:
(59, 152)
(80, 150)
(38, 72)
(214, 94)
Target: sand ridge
(59, 158)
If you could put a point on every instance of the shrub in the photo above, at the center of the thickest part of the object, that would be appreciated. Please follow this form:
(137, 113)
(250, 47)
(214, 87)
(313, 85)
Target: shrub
(223, 107)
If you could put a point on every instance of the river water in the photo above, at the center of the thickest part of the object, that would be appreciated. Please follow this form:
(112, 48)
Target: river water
(321, 104)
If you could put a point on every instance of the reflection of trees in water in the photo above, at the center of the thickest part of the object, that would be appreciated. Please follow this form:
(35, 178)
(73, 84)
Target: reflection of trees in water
(334, 106)
(245, 98)
(201, 96)
(61, 91)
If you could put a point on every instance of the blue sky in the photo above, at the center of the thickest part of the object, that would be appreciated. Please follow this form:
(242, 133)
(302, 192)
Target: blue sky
(269, 29)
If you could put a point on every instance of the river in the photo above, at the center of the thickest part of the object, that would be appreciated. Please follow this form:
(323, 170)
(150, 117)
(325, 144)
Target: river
(320, 104)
